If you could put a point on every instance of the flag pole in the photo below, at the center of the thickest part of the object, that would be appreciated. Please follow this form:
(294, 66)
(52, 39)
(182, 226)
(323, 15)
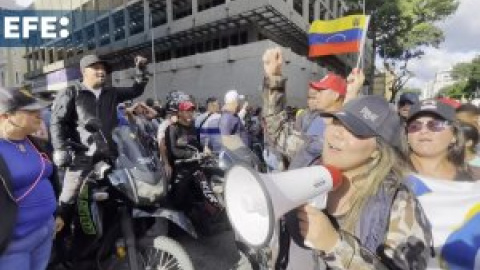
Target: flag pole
(362, 42)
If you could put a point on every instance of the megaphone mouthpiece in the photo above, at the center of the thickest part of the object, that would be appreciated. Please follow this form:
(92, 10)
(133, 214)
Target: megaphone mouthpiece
(337, 176)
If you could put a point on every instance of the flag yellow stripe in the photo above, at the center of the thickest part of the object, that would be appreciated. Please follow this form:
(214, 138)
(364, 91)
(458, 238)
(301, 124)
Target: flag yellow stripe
(338, 25)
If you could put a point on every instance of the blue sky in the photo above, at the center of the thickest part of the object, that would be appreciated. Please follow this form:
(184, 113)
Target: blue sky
(462, 44)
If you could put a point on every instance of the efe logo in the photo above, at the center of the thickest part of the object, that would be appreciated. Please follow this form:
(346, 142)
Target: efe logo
(21, 27)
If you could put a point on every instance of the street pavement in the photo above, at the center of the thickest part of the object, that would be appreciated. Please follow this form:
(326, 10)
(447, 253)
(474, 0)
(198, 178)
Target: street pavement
(217, 252)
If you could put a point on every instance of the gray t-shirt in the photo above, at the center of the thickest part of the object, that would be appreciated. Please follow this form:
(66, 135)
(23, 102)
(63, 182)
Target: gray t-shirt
(231, 124)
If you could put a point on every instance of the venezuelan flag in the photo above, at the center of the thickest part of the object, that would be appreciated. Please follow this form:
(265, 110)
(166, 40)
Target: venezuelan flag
(343, 35)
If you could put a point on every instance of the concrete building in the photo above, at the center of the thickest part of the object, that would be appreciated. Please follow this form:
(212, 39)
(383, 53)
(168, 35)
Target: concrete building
(202, 47)
(442, 79)
(12, 67)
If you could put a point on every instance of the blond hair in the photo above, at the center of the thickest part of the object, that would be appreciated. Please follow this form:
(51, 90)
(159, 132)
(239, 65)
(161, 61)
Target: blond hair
(389, 161)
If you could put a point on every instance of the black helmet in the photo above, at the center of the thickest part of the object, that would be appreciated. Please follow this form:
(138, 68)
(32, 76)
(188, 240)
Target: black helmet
(12, 100)
(174, 99)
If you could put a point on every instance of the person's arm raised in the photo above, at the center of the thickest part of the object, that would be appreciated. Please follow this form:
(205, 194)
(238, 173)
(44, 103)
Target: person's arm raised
(279, 130)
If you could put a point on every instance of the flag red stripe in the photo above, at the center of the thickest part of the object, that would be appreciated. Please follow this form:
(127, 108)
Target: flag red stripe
(334, 48)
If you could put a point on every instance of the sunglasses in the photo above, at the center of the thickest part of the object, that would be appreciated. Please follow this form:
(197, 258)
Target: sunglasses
(434, 125)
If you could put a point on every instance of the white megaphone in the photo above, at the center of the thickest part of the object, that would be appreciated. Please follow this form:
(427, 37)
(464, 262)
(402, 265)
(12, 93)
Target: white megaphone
(255, 201)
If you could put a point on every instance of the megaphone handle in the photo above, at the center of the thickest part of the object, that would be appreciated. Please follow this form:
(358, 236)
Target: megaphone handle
(319, 202)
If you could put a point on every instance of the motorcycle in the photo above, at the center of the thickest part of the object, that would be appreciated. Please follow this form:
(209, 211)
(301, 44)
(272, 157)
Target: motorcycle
(119, 221)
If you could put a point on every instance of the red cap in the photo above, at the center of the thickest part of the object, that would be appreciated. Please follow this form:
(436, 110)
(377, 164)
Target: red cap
(331, 81)
(337, 176)
(450, 101)
(186, 106)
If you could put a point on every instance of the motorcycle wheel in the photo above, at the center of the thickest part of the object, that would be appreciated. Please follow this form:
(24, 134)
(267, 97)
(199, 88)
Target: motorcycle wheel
(165, 254)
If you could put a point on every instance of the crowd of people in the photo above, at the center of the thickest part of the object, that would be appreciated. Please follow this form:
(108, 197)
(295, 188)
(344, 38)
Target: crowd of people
(400, 165)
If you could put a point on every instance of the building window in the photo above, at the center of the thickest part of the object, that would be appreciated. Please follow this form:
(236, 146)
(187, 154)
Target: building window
(90, 37)
(2, 78)
(311, 11)
(50, 56)
(206, 4)
(181, 9)
(158, 9)
(76, 19)
(104, 31)
(42, 55)
(69, 47)
(135, 18)
(59, 46)
(119, 25)
(298, 6)
(243, 37)
(77, 42)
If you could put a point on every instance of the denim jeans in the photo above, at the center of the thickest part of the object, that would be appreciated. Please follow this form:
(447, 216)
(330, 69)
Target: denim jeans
(31, 252)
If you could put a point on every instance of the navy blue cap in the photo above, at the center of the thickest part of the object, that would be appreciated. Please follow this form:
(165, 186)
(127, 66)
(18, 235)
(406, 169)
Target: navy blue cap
(409, 97)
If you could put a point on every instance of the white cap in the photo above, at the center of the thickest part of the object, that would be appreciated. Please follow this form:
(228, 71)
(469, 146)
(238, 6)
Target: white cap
(233, 96)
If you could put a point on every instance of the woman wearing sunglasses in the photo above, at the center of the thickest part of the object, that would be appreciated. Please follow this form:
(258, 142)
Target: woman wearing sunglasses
(443, 185)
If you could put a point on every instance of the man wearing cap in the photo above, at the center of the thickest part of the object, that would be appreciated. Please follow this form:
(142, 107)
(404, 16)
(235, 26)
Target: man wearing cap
(405, 102)
(87, 99)
(302, 144)
(231, 120)
(180, 137)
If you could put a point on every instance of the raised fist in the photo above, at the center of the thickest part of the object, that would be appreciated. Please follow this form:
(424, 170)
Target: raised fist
(272, 62)
(140, 62)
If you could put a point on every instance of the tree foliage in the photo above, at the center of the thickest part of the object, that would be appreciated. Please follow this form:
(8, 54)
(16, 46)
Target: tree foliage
(402, 29)
(468, 80)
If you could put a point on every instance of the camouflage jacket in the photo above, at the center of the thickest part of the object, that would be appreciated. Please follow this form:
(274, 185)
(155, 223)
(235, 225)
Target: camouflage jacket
(408, 236)
(281, 134)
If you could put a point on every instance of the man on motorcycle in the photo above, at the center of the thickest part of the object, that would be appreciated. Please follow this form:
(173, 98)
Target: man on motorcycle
(85, 100)
(182, 143)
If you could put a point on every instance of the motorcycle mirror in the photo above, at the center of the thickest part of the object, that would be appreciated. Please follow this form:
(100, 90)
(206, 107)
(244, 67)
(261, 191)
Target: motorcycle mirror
(93, 125)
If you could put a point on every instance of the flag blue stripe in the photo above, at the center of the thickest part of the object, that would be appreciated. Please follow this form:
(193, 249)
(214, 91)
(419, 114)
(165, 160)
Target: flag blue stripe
(343, 36)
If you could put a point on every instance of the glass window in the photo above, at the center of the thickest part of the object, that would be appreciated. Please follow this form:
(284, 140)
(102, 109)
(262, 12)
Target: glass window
(224, 42)
(208, 45)
(90, 37)
(199, 47)
(119, 25)
(17, 78)
(76, 19)
(59, 46)
(135, 14)
(50, 56)
(206, 4)
(243, 37)
(2, 79)
(181, 8)
(298, 6)
(104, 31)
(69, 48)
(78, 41)
(159, 12)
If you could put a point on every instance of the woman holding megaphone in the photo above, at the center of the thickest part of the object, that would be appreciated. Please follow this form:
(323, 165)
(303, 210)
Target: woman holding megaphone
(372, 221)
